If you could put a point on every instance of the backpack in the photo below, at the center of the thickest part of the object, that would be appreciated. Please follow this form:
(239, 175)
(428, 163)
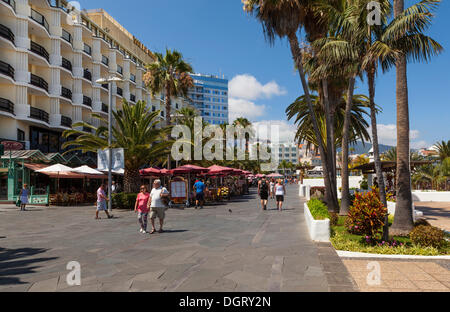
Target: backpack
(264, 187)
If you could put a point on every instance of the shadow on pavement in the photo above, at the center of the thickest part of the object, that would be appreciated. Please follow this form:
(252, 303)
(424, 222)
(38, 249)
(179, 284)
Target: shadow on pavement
(13, 262)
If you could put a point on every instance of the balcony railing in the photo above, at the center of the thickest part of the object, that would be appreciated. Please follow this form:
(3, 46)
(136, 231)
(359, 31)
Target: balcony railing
(12, 3)
(66, 64)
(39, 82)
(87, 101)
(67, 36)
(105, 108)
(6, 69)
(66, 122)
(40, 19)
(87, 49)
(105, 60)
(6, 33)
(6, 106)
(66, 93)
(39, 114)
(39, 50)
(87, 75)
(119, 91)
(133, 98)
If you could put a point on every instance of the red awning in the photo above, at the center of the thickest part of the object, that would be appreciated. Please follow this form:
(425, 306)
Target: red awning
(36, 167)
(189, 169)
(220, 170)
(66, 175)
(151, 172)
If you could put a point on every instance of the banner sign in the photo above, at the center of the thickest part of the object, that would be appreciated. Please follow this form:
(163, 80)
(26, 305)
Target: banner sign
(118, 159)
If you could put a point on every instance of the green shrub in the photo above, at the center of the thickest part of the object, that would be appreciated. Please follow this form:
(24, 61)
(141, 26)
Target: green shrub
(318, 209)
(366, 216)
(364, 184)
(124, 201)
(421, 222)
(427, 236)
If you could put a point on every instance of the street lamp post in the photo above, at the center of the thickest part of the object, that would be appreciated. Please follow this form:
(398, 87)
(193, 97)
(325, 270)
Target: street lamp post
(110, 82)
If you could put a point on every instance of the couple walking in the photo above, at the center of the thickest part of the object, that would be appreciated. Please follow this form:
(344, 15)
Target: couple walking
(151, 203)
(277, 190)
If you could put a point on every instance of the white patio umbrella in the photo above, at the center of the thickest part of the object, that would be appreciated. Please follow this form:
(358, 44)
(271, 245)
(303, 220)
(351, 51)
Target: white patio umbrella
(87, 170)
(58, 168)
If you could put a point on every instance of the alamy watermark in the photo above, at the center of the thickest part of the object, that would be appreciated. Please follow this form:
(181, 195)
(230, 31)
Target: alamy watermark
(374, 13)
(233, 143)
(73, 278)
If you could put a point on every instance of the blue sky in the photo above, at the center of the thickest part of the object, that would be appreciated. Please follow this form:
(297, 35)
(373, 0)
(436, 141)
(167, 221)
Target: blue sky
(217, 37)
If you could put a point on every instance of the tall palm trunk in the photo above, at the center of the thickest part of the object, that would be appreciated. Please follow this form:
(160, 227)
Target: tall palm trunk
(404, 222)
(376, 148)
(345, 200)
(298, 56)
(331, 191)
(131, 180)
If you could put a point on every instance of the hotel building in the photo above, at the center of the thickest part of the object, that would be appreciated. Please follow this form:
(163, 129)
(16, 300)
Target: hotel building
(210, 98)
(50, 60)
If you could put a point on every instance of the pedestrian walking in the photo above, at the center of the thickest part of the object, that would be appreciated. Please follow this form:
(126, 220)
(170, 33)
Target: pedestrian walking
(263, 192)
(157, 206)
(141, 207)
(280, 192)
(272, 190)
(199, 189)
(23, 196)
(101, 202)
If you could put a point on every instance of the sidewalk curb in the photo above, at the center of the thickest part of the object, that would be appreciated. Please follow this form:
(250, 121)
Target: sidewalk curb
(350, 254)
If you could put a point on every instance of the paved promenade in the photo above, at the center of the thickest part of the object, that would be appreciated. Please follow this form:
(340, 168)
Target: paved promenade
(214, 249)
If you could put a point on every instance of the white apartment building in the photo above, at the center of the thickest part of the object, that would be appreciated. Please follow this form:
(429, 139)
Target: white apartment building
(49, 65)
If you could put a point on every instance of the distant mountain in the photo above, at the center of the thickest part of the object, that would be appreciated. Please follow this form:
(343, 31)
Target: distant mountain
(361, 148)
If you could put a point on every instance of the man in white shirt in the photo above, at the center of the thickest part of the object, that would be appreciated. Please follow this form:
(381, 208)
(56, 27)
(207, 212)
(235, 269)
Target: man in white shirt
(157, 206)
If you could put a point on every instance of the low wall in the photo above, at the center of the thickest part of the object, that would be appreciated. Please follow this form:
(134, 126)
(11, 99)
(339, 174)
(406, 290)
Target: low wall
(319, 230)
(354, 182)
(419, 196)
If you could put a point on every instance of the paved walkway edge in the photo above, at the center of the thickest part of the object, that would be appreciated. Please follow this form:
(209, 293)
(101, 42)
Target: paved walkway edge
(350, 254)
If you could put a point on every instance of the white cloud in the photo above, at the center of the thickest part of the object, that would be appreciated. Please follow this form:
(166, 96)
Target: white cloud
(249, 88)
(286, 131)
(387, 135)
(244, 108)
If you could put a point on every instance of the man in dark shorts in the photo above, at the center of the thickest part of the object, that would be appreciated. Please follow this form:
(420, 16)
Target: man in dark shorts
(199, 189)
(263, 191)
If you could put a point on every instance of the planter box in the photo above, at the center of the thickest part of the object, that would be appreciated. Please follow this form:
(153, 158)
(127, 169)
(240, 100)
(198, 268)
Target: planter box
(319, 230)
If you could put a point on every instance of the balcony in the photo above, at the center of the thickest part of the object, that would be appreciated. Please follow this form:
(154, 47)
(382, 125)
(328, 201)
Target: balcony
(39, 82)
(39, 50)
(87, 49)
(6, 106)
(105, 108)
(67, 36)
(66, 93)
(87, 75)
(87, 101)
(40, 19)
(11, 3)
(105, 60)
(133, 98)
(6, 69)
(66, 64)
(39, 114)
(66, 122)
(6, 33)
(119, 91)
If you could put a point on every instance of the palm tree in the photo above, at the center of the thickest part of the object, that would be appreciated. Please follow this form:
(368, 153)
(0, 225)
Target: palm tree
(358, 125)
(135, 131)
(443, 149)
(244, 123)
(284, 18)
(416, 50)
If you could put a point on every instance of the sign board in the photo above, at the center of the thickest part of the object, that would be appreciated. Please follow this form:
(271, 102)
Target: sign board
(118, 159)
(12, 146)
